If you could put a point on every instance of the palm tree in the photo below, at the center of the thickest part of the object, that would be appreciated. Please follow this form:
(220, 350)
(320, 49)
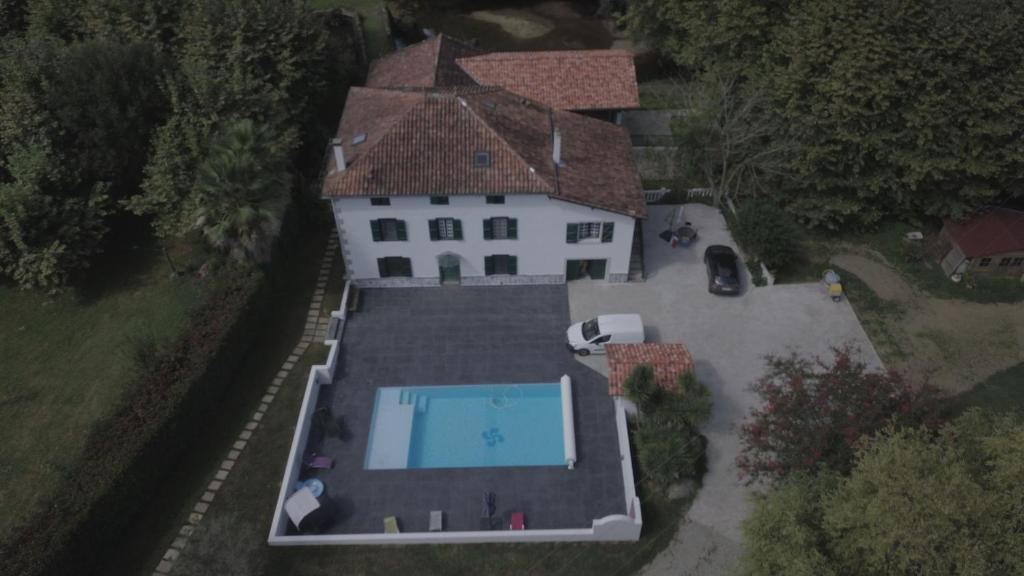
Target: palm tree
(241, 188)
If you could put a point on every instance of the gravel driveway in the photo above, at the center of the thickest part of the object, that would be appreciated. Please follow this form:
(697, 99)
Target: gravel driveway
(728, 338)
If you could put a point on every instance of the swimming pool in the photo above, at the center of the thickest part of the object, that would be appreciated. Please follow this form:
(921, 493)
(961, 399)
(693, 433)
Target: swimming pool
(466, 427)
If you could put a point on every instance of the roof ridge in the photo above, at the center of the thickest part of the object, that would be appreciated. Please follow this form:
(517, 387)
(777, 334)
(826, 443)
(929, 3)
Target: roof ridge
(602, 52)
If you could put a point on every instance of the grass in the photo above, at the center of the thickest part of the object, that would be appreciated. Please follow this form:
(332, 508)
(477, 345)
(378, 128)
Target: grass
(1001, 392)
(69, 359)
(876, 315)
(374, 25)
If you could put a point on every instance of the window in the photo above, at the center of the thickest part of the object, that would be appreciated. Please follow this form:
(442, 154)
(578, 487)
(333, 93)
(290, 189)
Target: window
(482, 160)
(495, 199)
(500, 264)
(394, 266)
(380, 201)
(388, 230)
(589, 231)
(1005, 262)
(501, 229)
(445, 229)
(439, 200)
(359, 138)
(985, 262)
(1017, 262)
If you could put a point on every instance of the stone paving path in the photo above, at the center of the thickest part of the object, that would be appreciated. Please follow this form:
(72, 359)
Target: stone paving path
(315, 329)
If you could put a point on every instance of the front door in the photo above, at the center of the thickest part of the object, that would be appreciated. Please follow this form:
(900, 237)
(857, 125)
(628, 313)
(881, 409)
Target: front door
(593, 269)
(451, 272)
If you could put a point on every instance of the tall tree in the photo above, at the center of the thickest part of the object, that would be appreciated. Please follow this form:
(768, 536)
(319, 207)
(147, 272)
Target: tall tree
(899, 106)
(242, 188)
(74, 129)
(915, 503)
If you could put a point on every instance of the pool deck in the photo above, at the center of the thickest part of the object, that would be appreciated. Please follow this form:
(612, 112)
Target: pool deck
(464, 335)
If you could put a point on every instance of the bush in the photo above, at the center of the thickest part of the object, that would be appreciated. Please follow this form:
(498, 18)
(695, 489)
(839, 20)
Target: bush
(767, 233)
(641, 388)
(690, 404)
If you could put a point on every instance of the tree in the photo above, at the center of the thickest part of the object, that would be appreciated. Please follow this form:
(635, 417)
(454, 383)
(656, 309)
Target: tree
(723, 138)
(915, 502)
(73, 138)
(241, 190)
(768, 232)
(641, 387)
(898, 107)
(690, 403)
(814, 413)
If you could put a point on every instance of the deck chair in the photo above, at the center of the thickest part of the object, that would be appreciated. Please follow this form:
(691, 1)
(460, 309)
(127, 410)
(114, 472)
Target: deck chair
(391, 525)
(436, 521)
(319, 462)
(518, 521)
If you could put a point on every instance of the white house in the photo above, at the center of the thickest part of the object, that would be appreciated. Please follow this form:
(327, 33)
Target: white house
(478, 185)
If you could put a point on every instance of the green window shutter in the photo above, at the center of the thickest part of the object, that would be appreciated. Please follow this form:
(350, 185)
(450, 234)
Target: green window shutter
(434, 233)
(513, 229)
(404, 267)
(572, 233)
(375, 230)
(382, 267)
(457, 229)
(400, 227)
(488, 265)
(607, 231)
(513, 265)
(488, 230)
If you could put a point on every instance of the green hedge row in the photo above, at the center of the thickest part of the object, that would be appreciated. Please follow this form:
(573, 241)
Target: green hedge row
(128, 454)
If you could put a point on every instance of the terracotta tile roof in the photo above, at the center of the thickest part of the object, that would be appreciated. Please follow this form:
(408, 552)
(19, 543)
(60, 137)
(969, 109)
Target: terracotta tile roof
(424, 64)
(668, 361)
(565, 79)
(998, 231)
(422, 142)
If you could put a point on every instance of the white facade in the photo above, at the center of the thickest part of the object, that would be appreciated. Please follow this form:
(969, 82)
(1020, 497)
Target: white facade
(541, 249)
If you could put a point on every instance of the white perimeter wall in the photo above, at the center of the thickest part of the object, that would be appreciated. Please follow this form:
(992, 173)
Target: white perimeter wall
(541, 248)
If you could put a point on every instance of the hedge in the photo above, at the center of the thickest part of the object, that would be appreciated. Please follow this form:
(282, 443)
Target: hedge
(128, 454)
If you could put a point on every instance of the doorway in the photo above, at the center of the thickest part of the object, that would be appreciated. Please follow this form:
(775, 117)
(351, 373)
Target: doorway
(578, 269)
(450, 271)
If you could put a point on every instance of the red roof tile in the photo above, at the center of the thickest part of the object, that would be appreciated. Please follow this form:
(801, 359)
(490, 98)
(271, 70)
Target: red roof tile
(566, 79)
(668, 361)
(997, 231)
(424, 64)
(422, 142)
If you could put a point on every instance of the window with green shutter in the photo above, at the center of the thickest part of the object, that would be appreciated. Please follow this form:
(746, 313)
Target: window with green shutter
(394, 267)
(488, 231)
(572, 232)
(388, 230)
(607, 231)
(501, 229)
(439, 200)
(501, 264)
(380, 201)
(445, 229)
(495, 199)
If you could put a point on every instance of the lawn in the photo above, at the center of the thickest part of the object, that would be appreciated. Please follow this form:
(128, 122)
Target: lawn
(68, 359)
(374, 25)
(1001, 392)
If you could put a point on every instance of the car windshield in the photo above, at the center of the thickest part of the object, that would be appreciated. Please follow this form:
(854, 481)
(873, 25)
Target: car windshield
(590, 330)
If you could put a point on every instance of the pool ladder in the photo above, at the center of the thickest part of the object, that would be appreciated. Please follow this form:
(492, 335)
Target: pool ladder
(411, 398)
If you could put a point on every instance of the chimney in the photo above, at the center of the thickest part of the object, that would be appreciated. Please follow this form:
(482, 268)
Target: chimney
(556, 152)
(339, 155)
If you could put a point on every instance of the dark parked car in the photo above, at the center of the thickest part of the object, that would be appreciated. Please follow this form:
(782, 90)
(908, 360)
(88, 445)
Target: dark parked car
(723, 270)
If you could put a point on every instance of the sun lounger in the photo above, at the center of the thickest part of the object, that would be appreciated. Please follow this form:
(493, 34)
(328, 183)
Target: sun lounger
(518, 521)
(391, 525)
(436, 521)
(300, 505)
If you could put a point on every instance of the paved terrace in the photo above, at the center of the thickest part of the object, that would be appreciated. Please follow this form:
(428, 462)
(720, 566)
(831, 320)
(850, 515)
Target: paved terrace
(465, 335)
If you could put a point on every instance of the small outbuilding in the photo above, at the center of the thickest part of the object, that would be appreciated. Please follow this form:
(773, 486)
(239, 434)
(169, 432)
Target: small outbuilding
(667, 360)
(988, 243)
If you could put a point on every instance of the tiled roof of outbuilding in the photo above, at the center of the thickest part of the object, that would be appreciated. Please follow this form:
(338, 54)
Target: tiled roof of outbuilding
(997, 231)
(425, 64)
(667, 360)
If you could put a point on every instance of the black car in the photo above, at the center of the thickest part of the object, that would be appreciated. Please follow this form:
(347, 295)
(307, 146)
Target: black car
(723, 270)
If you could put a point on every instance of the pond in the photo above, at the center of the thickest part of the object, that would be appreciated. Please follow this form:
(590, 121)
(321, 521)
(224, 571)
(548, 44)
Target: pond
(530, 26)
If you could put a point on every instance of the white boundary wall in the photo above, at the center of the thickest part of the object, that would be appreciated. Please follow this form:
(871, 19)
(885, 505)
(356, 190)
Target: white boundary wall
(612, 528)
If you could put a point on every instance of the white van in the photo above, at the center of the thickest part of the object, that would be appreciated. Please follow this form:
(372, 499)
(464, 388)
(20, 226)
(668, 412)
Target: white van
(590, 337)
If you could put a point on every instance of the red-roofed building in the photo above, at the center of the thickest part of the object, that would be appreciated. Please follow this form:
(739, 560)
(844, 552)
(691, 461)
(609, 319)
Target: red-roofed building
(989, 243)
(667, 360)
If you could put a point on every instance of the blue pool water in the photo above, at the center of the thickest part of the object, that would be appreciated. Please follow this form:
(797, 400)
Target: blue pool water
(466, 426)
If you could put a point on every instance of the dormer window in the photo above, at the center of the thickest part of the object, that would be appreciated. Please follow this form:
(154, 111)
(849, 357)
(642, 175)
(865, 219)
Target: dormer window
(359, 138)
(482, 160)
